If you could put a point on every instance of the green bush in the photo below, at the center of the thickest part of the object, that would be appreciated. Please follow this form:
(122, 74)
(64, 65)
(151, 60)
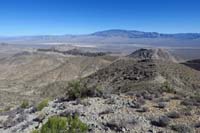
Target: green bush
(42, 104)
(58, 124)
(77, 89)
(55, 125)
(24, 104)
(75, 125)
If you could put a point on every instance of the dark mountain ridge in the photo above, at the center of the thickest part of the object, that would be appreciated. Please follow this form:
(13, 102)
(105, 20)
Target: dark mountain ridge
(195, 64)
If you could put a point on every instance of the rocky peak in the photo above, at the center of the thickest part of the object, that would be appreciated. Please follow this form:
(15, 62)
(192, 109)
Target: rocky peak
(155, 54)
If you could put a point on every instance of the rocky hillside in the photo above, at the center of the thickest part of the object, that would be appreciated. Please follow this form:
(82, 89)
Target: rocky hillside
(146, 92)
(140, 112)
(155, 54)
(124, 73)
(127, 75)
(23, 75)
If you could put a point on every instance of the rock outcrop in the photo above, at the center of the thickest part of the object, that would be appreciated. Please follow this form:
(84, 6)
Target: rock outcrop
(155, 54)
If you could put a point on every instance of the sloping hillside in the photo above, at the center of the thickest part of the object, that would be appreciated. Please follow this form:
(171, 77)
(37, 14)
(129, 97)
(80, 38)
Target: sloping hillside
(22, 75)
(139, 96)
(156, 54)
(121, 75)
(127, 95)
(127, 75)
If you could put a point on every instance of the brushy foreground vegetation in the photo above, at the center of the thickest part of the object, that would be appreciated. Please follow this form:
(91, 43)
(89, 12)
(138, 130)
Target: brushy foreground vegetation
(57, 124)
(24, 104)
(42, 104)
(78, 89)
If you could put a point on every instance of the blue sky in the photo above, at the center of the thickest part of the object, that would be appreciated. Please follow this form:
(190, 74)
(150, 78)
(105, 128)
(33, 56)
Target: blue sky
(37, 17)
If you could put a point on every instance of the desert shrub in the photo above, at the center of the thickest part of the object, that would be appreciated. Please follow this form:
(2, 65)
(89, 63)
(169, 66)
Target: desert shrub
(8, 108)
(42, 104)
(77, 89)
(68, 124)
(75, 125)
(187, 102)
(24, 104)
(35, 131)
(181, 128)
(54, 125)
(193, 101)
(166, 87)
(186, 111)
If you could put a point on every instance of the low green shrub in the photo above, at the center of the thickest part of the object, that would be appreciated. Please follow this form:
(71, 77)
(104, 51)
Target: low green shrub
(77, 89)
(57, 124)
(24, 104)
(42, 104)
(75, 125)
(35, 131)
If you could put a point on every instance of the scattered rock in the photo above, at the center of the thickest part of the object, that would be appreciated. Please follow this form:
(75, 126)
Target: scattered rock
(161, 105)
(161, 121)
(143, 109)
(67, 113)
(39, 118)
(108, 111)
(174, 115)
(182, 128)
(197, 125)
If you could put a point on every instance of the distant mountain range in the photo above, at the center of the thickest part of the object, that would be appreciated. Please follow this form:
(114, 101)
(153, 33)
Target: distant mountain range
(141, 34)
(114, 36)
